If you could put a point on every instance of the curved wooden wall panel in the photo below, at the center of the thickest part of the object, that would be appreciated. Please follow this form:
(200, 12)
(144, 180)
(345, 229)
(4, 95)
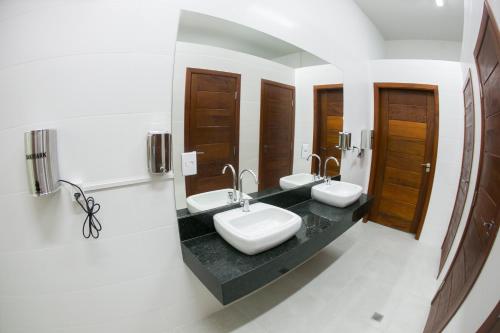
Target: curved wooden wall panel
(463, 186)
(484, 218)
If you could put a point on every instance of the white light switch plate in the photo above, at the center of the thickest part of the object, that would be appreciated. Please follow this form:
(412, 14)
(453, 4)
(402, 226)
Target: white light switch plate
(188, 161)
(306, 150)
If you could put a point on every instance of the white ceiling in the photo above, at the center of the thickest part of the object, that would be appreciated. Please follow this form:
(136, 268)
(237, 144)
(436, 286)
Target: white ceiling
(416, 19)
(209, 30)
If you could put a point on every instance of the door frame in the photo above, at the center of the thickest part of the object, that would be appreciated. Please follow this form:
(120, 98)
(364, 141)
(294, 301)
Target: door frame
(316, 118)
(261, 126)
(187, 106)
(377, 86)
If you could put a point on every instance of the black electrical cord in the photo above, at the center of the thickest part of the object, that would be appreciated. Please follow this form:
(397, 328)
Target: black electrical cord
(91, 225)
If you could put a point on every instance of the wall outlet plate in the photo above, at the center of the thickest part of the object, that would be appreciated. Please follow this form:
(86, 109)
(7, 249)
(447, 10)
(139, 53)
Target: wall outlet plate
(189, 163)
(306, 150)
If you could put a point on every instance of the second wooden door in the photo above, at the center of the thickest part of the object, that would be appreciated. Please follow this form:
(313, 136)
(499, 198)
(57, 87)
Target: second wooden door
(328, 122)
(404, 156)
(277, 126)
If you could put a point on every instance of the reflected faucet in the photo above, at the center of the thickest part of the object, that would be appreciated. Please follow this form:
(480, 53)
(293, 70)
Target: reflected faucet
(235, 197)
(318, 176)
(245, 203)
(328, 180)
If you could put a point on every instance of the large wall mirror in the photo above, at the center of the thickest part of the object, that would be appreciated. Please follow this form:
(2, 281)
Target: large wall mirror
(246, 99)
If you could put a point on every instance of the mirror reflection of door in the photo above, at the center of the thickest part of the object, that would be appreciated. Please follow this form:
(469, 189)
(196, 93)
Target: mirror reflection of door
(328, 122)
(211, 127)
(277, 127)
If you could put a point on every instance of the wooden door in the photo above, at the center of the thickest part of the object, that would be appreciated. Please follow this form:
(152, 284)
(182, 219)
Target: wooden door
(211, 127)
(483, 221)
(463, 186)
(328, 122)
(277, 126)
(406, 133)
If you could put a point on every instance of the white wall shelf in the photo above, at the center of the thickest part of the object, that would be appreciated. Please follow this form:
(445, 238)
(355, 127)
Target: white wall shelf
(121, 182)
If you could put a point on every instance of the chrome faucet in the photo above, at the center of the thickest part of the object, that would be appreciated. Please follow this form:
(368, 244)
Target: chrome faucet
(235, 196)
(318, 176)
(328, 180)
(245, 203)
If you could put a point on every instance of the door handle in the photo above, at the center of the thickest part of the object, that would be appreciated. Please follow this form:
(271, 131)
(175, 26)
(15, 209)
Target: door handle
(427, 167)
(200, 152)
(488, 226)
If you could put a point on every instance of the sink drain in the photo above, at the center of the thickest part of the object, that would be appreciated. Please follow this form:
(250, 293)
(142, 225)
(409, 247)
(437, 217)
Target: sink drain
(377, 317)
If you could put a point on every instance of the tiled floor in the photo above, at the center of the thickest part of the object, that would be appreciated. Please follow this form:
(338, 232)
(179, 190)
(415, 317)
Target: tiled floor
(369, 269)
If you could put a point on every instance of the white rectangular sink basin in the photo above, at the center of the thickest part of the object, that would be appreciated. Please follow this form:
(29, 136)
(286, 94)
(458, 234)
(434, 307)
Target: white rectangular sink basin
(338, 194)
(264, 227)
(210, 200)
(295, 180)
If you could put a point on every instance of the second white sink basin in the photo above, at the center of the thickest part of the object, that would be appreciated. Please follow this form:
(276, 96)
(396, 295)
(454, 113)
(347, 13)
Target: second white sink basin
(295, 180)
(210, 200)
(264, 227)
(338, 194)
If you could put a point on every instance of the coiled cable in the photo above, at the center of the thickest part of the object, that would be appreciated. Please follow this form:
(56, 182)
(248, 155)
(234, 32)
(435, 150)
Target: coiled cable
(91, 225)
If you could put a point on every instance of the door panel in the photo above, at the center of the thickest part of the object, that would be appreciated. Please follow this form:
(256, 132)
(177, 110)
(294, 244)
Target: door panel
(277, 127)
(406, 194)
(413, 147)
(463, 186)
(328, 122)
(407, 129)
(472, 247)
(482, 224)
(457, 277)
(493, 129)
(406, 134)
(484, 212)
(399, 176)
(211, 127)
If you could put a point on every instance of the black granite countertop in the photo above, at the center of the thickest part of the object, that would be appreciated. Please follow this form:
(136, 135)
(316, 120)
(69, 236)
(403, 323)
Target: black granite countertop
(230, 274)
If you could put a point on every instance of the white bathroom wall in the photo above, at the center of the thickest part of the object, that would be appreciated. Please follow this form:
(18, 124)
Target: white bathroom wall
(100, 72)
(305, 80)
(422, 49)
(252, 70)
(448, 77)
(300, 59)
(484, 295)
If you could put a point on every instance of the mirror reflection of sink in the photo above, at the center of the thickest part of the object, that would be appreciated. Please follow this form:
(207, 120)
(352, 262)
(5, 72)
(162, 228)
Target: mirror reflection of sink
(210, 200)
(264, 227)
(338, 194)
(295, 180)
